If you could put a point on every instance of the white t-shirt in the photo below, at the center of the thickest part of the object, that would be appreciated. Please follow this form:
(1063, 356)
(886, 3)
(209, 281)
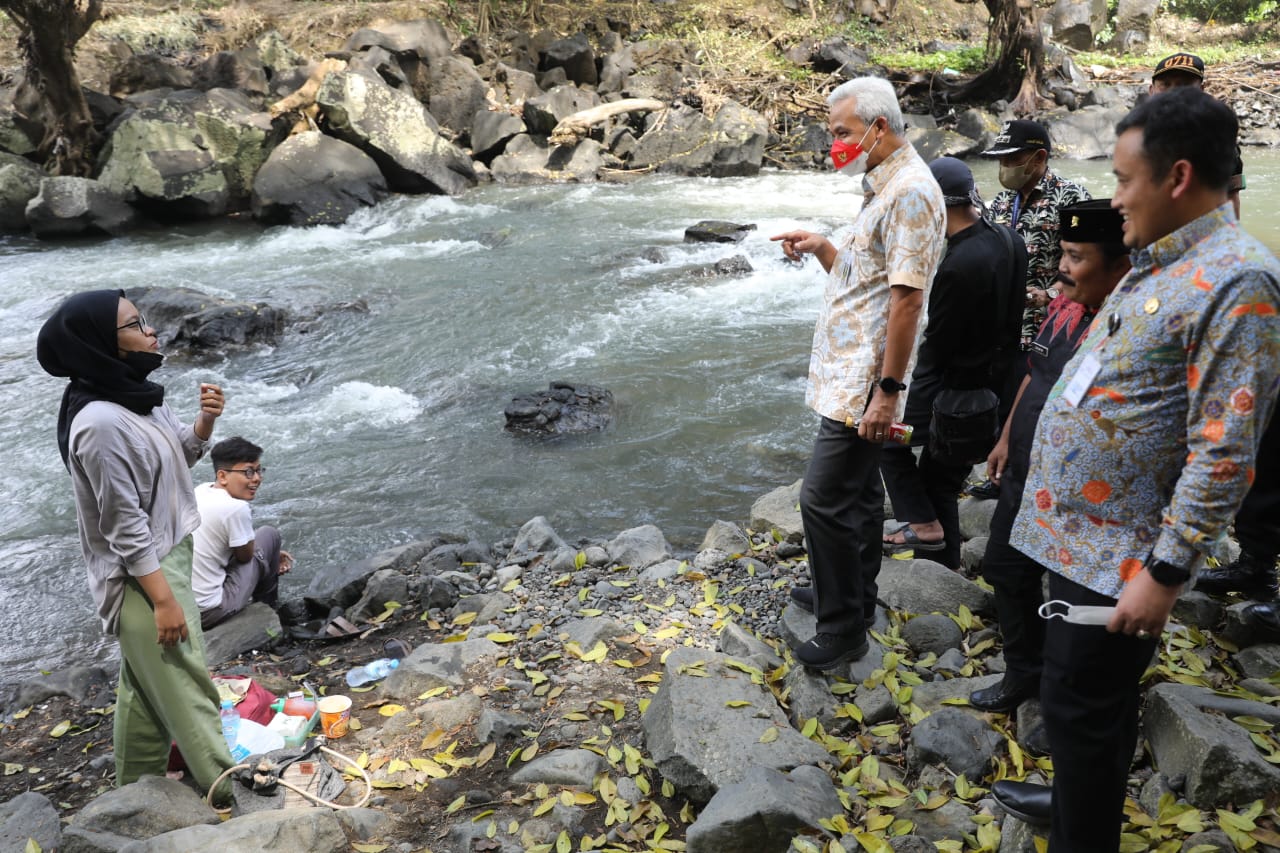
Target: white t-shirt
(225, 523)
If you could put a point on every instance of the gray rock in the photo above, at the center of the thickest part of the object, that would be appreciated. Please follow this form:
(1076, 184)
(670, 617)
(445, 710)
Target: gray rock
(437, 593)
(313, 179)
(639, 547)
(952, 660)
(316, 830)
(543, 112)
(575, 56)
(1084, 134)
(572, 767)
(1261, 661)
(1019, 837)
(196, 321)
(835, 55)
(764, 811)
(1075, 24)
(930, 695)
(19, 183)
(907, 844)
(876, 704)
(343, 584)
(513, 86)
(488, 607)
(935, 143)
(717, 231)
(711, 560)
(810, 698)
(1214, 754)
(494, 725)
(979, 125)
(684, 141)
(537, 536)
(74, 207)
(932, 633)
(736, 641)
(779, 510)
(29, 817)
(700, 744)
(383, 586)
(587, 632)
(972, 551)
(141, 72)
(455, 93)
(960, 742)
(232, 69)
(1197, 610)
(393, 128)
(950, 821)
(665, 570)
(975, 515)
(447, 714)
(149, 807)
(564, 408)
(1133, 24)
(491, 131)
(728, 537)
(1215, 839)
(1155, 788)
(366, 824)
(439, 665)
(423, 39)
(84, 684)
(191, 154)
(255, 627)
(923, 586)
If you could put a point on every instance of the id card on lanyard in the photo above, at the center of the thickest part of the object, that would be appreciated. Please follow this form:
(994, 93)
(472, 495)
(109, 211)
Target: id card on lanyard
(1090, 366)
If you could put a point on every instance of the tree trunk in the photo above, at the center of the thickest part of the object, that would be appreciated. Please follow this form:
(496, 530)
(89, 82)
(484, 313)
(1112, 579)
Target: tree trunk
(1019, 66)
(48, 33)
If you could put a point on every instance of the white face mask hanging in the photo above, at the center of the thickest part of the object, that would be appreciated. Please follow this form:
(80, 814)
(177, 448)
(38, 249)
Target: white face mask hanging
(1076, 614)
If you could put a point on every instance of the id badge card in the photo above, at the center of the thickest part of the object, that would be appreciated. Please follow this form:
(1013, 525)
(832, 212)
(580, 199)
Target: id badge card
(1082, 381)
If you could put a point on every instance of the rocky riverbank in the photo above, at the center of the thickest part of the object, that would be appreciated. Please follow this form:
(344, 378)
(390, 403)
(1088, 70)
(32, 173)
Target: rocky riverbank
(260, 129)
(610, 694)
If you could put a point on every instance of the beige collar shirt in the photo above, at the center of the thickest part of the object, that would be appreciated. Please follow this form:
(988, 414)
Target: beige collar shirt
(897, 239)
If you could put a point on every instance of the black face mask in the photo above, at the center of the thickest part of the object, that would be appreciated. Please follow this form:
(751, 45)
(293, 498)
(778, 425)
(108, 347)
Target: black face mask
(142, 363)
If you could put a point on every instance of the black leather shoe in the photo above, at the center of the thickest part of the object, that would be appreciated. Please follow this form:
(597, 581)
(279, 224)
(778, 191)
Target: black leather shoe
(803, 597)
(1253, 577)
(987, 490)
(1005, 696)
(1028, 803)
(827, 651)
(1266, 617)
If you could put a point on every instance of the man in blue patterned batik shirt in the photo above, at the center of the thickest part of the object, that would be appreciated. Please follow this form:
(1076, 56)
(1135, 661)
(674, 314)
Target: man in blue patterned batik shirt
(1145, 449)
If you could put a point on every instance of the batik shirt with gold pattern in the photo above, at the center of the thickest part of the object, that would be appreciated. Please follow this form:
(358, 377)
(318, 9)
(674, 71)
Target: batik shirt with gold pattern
(1155, 459)
(897, 239)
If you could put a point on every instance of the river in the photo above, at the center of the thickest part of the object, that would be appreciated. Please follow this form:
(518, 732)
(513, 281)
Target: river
(386, 426)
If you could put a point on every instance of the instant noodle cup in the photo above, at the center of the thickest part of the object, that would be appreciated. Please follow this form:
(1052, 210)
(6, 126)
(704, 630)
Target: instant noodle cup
(335, 715)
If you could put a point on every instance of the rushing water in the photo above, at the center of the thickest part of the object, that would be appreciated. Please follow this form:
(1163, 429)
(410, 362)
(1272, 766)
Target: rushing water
(383, 427)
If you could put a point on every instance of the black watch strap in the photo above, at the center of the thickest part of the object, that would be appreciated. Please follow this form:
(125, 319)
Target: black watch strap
(889, 385)
(1167, 574)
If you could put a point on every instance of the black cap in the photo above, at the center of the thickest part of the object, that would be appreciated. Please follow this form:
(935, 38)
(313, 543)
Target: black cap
(1094, 221)
(1186, 63)
(956, 182)
(1019, 135)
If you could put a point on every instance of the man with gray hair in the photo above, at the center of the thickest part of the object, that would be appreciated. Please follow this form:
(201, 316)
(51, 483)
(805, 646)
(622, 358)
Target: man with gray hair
(863, 347)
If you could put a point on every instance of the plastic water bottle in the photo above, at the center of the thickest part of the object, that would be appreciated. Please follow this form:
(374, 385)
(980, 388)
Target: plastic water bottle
(371, 672)
(230, 723)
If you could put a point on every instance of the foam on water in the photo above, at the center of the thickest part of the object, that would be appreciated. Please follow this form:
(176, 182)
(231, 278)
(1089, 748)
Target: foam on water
(360, 404)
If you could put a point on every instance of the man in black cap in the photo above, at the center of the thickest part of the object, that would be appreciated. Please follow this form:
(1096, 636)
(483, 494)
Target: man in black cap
(975, 312)
(1094, 259)
(1257, 525)
(1029, 204)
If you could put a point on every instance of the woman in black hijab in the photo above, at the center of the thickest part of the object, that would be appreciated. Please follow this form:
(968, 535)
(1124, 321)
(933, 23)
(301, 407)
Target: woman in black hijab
(129, 459)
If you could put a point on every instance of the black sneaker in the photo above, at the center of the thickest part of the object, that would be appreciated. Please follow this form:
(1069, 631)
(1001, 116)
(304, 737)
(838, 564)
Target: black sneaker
(827, 651)
(803, 597)
(1253, 577)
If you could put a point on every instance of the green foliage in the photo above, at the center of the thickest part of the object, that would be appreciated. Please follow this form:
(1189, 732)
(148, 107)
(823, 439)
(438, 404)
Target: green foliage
(1223, 11)
(964, 60)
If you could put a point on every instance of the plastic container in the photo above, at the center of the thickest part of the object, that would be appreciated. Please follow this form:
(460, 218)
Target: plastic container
(295, 705)
(371, 672)
(255, 739)
(230, 723)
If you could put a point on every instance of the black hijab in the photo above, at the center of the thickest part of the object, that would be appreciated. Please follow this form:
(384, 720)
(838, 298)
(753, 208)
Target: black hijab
(79, 341)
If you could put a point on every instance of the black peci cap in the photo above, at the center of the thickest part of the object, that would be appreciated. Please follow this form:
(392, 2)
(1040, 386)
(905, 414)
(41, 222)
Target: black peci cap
(1094, 221)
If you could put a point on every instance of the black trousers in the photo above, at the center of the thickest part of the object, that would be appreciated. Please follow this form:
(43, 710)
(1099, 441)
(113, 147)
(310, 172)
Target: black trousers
(842, 506)
(1258, 521)
(1017, 582)
(1089, 695)
(925, 491)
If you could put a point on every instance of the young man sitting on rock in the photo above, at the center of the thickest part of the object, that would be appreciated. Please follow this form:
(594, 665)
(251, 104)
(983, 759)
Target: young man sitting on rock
(234, 564)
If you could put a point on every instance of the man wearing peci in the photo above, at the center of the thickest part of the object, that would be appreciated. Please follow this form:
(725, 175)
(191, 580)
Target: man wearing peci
(1145, 448)
(863, 347)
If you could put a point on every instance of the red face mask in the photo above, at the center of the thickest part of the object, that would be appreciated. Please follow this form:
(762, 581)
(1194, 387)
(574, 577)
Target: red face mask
(842, 153)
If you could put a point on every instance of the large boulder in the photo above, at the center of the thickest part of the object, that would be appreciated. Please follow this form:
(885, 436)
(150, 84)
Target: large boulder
(1075, 24)
(29, 817)
(393, 128)
(958, 741)
(455, 93)
(764, 811)
(439, 665)
(1084, 134)
(710, 723)
(543, 112)
(491, 130)
(19, 183)
(241, 70)
(923, 586)
(648, 69)
(779, 510)
(255, 627)
(527, 160)
(151, 806)
(425, 39)
(575, 56)
(143, 72)
(189, 154)
(1133, 24)
(562, 408)
(313, 179)
(316, 830)
(76, 207)
(684, 141)
(513, 86)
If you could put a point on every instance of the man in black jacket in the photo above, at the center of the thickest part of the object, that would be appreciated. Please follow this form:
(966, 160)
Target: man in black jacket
(975, 311)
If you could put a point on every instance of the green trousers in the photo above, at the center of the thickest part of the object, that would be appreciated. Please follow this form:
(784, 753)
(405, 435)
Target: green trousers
(165, 694)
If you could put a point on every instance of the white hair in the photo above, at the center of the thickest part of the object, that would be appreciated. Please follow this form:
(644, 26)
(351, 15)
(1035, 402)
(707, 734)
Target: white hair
(874, 98)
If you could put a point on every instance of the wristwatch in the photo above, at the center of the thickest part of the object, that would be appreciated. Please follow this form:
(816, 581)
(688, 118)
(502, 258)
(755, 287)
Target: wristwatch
(889, 385)
(1167, 574)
